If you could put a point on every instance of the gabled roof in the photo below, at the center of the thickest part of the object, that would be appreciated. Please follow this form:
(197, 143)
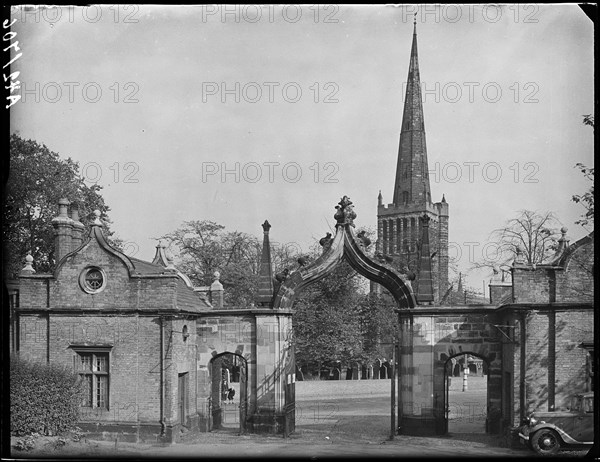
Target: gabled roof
(145, 267)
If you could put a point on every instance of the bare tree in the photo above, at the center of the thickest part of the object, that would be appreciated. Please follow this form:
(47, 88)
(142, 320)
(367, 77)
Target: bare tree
(531, 234)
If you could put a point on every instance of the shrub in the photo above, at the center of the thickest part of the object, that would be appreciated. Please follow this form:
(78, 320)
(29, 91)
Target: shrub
(43, 398)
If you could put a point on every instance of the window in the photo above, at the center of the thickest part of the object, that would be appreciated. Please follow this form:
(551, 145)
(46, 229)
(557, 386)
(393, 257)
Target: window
(94, 372)
(588, 405)
(576, 403)
(92, 280)
(589, 347)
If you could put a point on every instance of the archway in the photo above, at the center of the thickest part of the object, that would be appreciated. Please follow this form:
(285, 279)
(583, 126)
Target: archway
(345, 245)
(229, 392)
(466, 395)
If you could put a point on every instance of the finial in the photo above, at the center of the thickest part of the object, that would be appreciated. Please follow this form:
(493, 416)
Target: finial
(217, 275)
(443, 198)
(266, 226)
(161, 244)
(345, 214)
(415, 21)
(28, 264)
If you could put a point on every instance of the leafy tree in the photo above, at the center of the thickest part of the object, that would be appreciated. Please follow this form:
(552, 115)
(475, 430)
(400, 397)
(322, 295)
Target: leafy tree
(37, 179)
(203, 247)
(327, 321)
(379, 325)
(586, 199)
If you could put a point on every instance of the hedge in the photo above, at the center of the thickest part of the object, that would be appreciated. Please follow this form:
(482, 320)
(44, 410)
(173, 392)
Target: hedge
(44, 398)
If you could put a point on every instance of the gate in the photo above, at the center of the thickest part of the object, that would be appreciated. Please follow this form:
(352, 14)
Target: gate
(289, 425)
(243, 381)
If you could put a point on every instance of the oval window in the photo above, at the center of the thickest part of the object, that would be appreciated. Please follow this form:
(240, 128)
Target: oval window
(92, 280)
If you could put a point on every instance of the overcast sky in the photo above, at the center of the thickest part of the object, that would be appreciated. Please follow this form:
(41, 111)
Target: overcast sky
(239, 114)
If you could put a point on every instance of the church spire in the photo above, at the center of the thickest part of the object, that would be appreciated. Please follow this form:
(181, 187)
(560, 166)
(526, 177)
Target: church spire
(412, 173)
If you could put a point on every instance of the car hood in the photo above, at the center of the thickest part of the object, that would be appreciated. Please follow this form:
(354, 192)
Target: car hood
(551, 414)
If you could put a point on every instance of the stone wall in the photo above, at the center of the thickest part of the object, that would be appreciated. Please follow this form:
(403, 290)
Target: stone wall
(428, 341)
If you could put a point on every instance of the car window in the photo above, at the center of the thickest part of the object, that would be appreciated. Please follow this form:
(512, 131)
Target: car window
(588, 405)
(576, 404)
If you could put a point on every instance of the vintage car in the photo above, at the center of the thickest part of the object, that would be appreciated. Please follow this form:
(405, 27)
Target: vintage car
(548, 432)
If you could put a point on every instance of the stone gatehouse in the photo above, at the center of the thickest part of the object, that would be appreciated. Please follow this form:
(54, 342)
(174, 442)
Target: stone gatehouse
(148, 344)
(144, 340)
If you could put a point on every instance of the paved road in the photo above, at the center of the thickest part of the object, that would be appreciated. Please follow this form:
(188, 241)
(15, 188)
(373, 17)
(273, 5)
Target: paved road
(353, 418)
(335, 419)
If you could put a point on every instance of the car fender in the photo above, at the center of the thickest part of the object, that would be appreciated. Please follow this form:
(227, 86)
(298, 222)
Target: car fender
(563, 434)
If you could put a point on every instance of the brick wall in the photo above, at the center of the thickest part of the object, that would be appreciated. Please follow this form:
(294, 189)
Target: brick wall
(566, 361)
(33, 291)
(121, 291)
(536, 351)
(572, 328)
(576, 282)
(531, 285)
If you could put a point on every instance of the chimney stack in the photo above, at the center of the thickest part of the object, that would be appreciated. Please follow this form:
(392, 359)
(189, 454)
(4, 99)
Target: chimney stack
(63, 227)
(78, 228)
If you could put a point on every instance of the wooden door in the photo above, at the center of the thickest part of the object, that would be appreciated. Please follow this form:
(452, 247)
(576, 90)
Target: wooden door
(183, 398)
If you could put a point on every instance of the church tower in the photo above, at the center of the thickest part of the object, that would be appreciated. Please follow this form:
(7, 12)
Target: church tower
(412, 224)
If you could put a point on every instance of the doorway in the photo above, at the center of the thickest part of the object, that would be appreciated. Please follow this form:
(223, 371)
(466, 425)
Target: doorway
(466, 386)
(229, 392)
(183, 398)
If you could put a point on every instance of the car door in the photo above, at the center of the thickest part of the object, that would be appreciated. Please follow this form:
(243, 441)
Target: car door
(584, 421)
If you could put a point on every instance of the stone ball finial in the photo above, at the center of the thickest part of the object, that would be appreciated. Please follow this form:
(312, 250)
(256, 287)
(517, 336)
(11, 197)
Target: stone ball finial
(28, 264)
(564, 230)
(217, 275)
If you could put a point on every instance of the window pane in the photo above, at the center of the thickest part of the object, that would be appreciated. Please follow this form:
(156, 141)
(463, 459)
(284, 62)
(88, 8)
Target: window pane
(86, 362)
(101, 390)
(86, 396)
(94, 279)
(101, 363)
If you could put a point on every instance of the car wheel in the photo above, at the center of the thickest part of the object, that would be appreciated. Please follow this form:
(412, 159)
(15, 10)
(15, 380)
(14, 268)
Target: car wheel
(545, 441)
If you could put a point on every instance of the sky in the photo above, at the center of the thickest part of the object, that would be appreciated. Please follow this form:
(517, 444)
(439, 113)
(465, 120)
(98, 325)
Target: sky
(237, 113)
